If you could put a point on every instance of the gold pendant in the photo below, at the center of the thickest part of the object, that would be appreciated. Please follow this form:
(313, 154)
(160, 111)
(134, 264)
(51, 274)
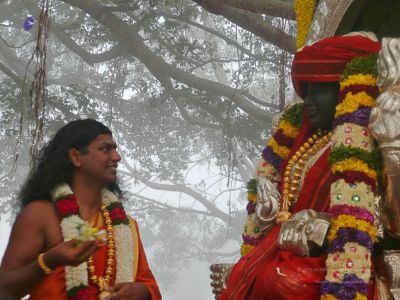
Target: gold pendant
(104, 295)
(283, 216)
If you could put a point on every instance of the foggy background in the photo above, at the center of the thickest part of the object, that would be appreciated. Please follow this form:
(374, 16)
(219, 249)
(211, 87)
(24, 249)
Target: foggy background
(189, 89)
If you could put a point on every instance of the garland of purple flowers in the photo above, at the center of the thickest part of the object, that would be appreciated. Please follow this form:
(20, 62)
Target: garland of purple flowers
(274, 153)
(353, 192)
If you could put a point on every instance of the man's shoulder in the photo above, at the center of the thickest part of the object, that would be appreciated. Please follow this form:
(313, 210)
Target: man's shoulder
(37, 213)
(39, 205)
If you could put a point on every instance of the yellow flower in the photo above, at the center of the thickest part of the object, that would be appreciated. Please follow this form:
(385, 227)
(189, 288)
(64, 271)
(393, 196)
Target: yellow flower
(282, 151)
(351, 221)
(354, 164)
(288, 129)
(304, 13)
(352, 102)
(252, 197)
(364, 79)
(246, 249)
(328, 297)
(361, 297)
(88, 233)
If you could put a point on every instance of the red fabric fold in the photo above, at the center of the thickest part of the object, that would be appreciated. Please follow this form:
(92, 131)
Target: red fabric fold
(249, 278)
(325, 60)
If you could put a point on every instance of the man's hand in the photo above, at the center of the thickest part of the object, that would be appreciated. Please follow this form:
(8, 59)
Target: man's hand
(129, 291)
(70, 254)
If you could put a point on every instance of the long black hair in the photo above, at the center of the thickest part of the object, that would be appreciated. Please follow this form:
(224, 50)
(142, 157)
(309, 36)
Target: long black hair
(54, 166)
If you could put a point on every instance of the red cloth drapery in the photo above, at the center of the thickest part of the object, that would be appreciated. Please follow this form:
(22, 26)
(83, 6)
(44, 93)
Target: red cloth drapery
(255, 276)
(256, 273)
(325, 61)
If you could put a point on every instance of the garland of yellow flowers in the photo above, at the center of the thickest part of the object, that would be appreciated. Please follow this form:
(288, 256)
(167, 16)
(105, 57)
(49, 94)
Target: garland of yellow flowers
(356, 165)
(304, 10)
(276, 151)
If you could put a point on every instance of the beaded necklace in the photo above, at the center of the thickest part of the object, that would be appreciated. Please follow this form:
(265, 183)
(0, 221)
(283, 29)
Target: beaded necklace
(294, 170)
(119, 244)
(104, 281)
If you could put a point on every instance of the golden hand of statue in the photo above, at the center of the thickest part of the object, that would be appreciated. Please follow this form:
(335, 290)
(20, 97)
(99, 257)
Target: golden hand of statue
(219, 275)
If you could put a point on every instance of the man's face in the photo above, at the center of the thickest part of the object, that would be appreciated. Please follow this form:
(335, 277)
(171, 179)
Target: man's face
(320, 102)
(100, 163)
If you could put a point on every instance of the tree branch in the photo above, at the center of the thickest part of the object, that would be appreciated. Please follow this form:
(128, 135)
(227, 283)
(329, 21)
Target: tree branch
(75, 24)
(273, 8)
(157, 66)
(88, 57)
(170, 207)
(182, 189)
(253, 23)
(191, 120)
(10, 74)
(214, 32)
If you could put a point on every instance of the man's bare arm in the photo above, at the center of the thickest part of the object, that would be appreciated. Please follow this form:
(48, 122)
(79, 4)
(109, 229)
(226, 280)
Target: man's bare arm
(36, 230)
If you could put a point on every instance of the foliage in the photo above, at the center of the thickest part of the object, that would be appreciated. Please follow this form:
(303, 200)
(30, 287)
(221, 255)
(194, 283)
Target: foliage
(361, 65)
(167, 126)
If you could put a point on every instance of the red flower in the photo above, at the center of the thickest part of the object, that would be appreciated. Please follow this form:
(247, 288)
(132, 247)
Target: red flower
(67, 207)
(118, 213)
(81, 294)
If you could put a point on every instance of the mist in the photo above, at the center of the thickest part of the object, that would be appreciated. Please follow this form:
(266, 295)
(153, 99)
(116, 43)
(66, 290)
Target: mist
(189, 96)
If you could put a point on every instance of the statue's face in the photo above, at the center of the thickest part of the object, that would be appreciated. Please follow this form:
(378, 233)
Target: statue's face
(320, 102)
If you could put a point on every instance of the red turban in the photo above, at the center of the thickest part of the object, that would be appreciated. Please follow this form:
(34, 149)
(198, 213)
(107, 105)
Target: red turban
(325, 60)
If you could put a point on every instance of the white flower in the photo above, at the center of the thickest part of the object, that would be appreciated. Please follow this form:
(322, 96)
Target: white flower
(61, 190)
(125, 263)
(73, 227)
(70, 227)
(108, 197)
(89, 233)
(75, 276)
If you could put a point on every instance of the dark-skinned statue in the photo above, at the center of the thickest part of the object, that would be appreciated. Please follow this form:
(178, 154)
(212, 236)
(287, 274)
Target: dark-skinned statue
(314, 225)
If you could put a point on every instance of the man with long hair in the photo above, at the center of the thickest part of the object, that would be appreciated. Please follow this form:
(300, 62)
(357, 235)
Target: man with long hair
(73, 192)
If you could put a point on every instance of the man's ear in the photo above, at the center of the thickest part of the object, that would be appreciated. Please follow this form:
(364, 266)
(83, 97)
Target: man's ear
(75, 157)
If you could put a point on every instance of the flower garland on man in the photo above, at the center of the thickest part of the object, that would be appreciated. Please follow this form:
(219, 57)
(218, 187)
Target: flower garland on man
(70, 197)
(305, 177)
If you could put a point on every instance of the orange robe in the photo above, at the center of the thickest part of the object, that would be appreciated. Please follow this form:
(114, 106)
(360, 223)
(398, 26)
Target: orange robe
(53, 285)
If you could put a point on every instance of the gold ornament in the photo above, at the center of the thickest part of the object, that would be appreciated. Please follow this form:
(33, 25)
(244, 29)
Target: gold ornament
(296, 166)
(104, 295)
(103, 282)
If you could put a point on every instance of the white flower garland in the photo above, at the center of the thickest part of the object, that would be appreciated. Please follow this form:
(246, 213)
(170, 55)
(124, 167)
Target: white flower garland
(75, 277)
